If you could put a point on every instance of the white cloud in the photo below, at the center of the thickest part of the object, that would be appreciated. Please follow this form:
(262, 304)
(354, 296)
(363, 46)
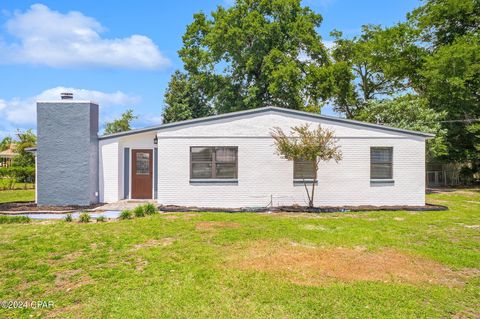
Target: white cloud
(102, 98)
(21, 112)
(51, 38)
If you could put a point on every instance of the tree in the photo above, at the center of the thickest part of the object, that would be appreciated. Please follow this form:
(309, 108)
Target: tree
(451, 71)
(122, 124)
(452, 82)
(381, 62)
(184, 99)
(441, 22)
(253, 54)
(412, 113)
(23, 165)
(5, 143)
(314, 145)
(433, 54)
(24, 140)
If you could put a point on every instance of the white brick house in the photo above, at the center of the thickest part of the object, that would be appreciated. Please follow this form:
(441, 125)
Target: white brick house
(229, 161)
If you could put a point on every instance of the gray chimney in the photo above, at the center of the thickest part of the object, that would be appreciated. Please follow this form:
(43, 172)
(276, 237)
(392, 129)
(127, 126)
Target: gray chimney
(67, 152)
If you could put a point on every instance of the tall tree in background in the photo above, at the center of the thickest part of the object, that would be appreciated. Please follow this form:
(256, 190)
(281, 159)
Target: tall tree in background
(434, 54)
(381, 62)
(24, 140)
(408, 112)
(253, 54)
(122, 124)
(5, 143)
(450, 30)
(185, 99)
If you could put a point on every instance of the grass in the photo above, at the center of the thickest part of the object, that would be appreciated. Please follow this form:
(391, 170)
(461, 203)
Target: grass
(14, 219)
(6, 183)
(17, 196)
(184, 265)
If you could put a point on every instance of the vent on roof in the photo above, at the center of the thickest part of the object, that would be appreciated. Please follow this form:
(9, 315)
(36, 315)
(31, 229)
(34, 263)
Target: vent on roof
(66, 96)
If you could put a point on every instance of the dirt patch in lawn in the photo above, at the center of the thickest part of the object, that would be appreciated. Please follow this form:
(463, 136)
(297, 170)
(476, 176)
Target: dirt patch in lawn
(71, 279)
(215, 225)
(177, 216)
(65, 259)
(60, 312)
(307, 265)
(155, 243)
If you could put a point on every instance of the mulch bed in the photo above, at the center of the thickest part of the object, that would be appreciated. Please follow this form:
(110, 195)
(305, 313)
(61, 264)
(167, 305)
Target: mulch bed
(32, 207)
(302, 209)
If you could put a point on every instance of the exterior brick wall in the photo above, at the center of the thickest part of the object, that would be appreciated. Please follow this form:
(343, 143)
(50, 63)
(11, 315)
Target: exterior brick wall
(262, 175)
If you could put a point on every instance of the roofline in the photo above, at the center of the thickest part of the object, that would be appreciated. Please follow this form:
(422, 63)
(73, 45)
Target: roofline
(132, 132)
(67, 101)
(267, 109)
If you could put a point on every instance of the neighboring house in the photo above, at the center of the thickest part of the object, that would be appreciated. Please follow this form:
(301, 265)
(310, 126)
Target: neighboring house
(222, 161)
(7, 156)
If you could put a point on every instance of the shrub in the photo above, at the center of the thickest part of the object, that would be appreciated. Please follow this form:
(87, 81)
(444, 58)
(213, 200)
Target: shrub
(138, 211)
(68, 218)
(101, 219)
(14, 219)
(18, 173)
(84, 217)
(150, 209)
(125, 214)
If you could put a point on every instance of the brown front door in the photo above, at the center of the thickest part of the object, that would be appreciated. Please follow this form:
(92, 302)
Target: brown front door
(142, 174)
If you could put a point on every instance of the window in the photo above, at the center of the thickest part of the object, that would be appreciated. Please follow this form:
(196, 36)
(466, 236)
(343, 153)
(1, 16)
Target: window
(213, 162)
(381, 162)
(303, 170)
(143, 164)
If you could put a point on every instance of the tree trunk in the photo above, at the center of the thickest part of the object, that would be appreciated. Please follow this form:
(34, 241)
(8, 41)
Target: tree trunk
(315, 171)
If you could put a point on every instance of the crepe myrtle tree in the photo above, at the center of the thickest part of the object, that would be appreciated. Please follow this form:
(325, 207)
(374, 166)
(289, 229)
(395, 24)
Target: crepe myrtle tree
(307, 144)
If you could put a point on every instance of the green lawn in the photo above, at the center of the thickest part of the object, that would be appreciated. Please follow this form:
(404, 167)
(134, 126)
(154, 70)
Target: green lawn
(246, 265)
(17, 196)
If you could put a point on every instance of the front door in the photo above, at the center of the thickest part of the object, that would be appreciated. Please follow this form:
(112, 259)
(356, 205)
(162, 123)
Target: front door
(142, 174)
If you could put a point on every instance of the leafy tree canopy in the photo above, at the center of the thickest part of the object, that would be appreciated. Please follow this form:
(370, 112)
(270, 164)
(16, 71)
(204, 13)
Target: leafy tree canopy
(185, 99)
(434, 54)
(381, 62)
(5, 143)
(441, 22)
(253, 54)
(452, 85)
(412, 113)
(122, 124)
(24, 140)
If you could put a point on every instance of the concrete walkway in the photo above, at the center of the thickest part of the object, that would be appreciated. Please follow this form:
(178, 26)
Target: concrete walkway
(125, 204)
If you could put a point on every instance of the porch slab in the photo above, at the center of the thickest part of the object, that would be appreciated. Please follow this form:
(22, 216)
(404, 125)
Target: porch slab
(125, 204)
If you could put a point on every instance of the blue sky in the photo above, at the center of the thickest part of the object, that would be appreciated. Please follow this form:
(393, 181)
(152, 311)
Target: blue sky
(122, 53)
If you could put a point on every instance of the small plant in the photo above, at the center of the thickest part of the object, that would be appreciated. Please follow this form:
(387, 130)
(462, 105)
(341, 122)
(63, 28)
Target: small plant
(84, 217)
(139, 211)
(14, 219)
(125, 214)
(69, 218)
(150, 209)
(101, 219)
